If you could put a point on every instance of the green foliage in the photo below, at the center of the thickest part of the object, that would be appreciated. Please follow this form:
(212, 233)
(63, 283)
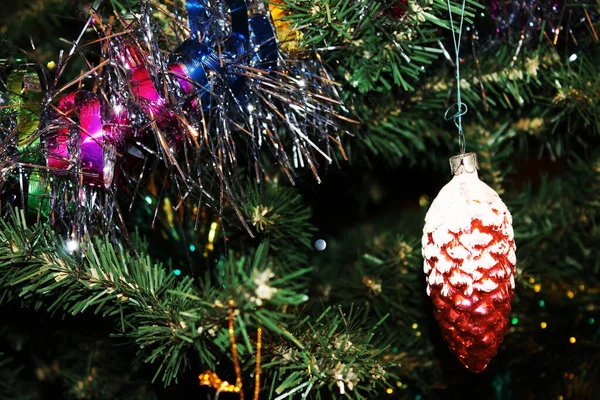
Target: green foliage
(9, 375)
(377, 51)
(559, 222)
(164, 316)
(386, 278)
(574, 106)
(278, 214)
(338, 354)
(502, 82)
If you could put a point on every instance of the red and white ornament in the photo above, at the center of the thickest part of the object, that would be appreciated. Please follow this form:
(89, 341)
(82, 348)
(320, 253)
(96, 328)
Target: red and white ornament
(469, 260)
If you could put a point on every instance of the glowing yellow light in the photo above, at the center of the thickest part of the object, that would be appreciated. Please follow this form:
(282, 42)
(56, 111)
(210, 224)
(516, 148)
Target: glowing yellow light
(543, 325)
(389, 390)
(415, 325)
(399, 383)
(570, 294)
(531, 280)
(418, 333)
(212, 232)
(51, 65)
(537, 287)
(168, 209)
(582, 287)
(209, 378)
(560, 398)
(572, 340)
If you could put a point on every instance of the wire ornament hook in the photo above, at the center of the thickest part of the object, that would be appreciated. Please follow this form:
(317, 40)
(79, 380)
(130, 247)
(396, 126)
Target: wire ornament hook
(461, 108)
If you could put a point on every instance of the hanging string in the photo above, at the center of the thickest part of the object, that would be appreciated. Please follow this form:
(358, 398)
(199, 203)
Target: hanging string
(459, 106)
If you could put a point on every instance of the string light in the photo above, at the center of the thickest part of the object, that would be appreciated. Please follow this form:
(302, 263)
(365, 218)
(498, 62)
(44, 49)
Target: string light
(572, 340)
(543, 325)
(514, 320)
(209, 378)
(192, 247)
(258, 354)
(213, 232)
(591, 321)
(537, 287)
(177, 272)
(389, 390)
(570, 294)
(415, 325)
(234, 353)
(148, 199)
(542, 303)
(211, 238)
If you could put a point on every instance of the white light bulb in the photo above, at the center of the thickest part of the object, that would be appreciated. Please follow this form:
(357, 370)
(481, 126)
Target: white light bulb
(72, 245)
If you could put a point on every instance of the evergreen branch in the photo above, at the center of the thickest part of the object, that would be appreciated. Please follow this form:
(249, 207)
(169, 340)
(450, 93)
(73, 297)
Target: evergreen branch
(377, 50)
(559, 222)
(164, 317)
(576, 100)
(338, 356)
(399, 128)
(278, 214)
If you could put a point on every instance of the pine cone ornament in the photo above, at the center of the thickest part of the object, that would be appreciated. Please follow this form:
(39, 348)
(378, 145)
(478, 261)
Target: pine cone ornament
(469, 260)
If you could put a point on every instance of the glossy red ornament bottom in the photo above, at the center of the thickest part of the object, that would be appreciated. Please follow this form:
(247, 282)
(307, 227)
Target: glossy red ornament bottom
(474, 325)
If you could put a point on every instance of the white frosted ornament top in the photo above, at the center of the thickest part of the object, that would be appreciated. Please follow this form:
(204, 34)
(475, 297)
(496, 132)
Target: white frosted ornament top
(450, 219)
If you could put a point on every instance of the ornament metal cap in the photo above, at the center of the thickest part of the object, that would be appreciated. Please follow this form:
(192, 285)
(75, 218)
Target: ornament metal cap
(464, 163)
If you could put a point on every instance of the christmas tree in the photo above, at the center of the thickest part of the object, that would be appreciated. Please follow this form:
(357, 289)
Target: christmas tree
(227, 199)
